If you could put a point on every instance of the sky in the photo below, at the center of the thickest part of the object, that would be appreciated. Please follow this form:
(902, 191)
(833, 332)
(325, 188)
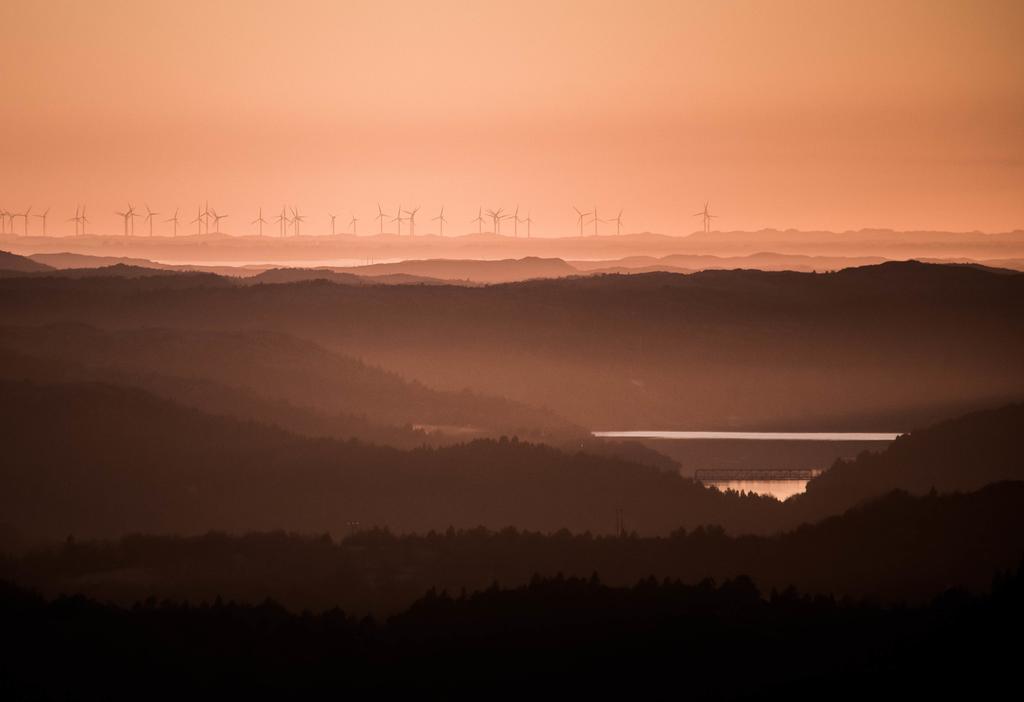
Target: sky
(784, 114)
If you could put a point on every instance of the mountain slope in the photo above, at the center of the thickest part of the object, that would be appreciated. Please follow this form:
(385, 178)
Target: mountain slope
(273, 367)
(128, 461)
(960, 454)
(20, 264)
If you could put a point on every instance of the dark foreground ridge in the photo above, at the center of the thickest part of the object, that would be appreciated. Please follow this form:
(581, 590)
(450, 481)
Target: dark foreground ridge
(898, 548)
(564, 635)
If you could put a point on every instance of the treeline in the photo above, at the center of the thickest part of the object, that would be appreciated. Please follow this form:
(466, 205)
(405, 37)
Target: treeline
(896, 548)
(126, 461)
(556, 635)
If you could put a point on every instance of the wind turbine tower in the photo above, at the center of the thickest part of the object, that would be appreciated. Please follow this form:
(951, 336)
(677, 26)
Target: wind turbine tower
(259, 222)
(149, 218)
(43, 217)
(581, 216)
(124, 216)
(216, 221)
(412, 220)
(282, 222)
(352, 224)
(618, 223)
(479, 221)
(207, 214)
(76, 219)
(707, 216)
(515, 222)
(131, 217)
(175, 220)
(381, 216)
(399, 218)
(495, 216)
(440, 218)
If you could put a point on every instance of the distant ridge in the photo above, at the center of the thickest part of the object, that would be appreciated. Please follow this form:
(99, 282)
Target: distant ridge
(347, 251)
(20, 264)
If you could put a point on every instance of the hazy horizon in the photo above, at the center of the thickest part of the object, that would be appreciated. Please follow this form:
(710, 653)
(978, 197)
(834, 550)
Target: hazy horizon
(808, 115)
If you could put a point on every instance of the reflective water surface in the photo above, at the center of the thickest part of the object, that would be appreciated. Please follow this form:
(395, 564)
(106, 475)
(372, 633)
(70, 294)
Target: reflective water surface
(750, 435)
(779, 489)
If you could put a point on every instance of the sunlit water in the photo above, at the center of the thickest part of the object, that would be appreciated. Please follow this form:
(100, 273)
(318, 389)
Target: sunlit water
(779, 489)
(750, 435)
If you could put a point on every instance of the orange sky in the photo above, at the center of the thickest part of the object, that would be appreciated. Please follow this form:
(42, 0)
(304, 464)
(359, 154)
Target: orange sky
(784, 114)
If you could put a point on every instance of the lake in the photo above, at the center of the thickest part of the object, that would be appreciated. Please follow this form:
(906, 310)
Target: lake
(750, 435)
(739, 457)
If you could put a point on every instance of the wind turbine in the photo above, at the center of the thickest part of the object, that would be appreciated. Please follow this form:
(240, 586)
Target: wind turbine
(596, 220)
(85, 220)
(25, 214)
(580, 218)
(479, 221)
(352, 224)
(76, 219)
(198, 221)
(3, 221)
(618, 223)
(707, 217)
(380, 216)
(398, 218)
(495, 216)
(282, 222)
(412, 220)
(149, 218)
(440, 218)
(297, 219)
(175, 220)
(333, 217)
(43, 217)
(207, 213)
(125, 216)
(515, 222)
(131, 216)
(216, 221)
(259, 222)
(529, 222)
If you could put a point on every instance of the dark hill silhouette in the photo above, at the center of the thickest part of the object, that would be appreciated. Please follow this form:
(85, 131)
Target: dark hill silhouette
(127, 460)
(65, 260)
(130, 461)
(274, 367)
(219, 399)
(478, 271)
(298, 275)
(893, 549)
(228, 249)
(10, 262)
(879, 348)
(571, 637)
(958, 454)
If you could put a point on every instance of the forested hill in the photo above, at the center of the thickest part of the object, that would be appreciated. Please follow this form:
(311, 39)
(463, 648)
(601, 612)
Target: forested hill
(878, 348)
(128, 461)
